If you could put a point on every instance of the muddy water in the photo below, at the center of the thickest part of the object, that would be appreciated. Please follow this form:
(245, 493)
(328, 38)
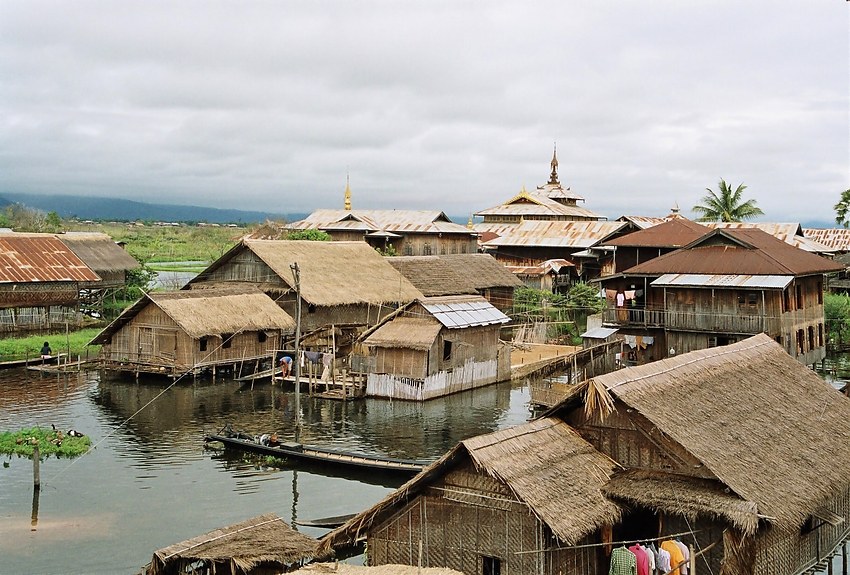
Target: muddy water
(149, 482)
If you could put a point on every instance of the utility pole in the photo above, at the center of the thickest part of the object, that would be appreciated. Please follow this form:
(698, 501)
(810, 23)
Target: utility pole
(296, 274)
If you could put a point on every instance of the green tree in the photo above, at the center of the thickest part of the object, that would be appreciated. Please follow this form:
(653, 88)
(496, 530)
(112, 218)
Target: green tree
(726, 205)
(309, 235)
(836, 311)
(841, 209)
(53, 223)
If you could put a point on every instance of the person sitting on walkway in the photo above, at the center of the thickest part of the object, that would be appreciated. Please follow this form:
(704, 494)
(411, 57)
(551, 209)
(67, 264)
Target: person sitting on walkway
(46, 352)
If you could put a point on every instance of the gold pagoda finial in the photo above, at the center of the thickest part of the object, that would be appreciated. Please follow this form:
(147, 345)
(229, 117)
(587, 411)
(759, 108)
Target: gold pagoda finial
(347, 194)
(553, 177)
(469, 224)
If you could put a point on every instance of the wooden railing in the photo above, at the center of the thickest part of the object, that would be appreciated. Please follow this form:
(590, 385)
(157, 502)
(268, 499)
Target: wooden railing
(682, 319)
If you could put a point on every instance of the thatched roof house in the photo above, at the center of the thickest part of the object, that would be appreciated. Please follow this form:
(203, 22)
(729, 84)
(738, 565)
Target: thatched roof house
(100, 252)
(495, 495)
(457, 274)
(741, 437)
(182, 331)
(342, 283)
(436, 346)
(740, 450)
(263, 545)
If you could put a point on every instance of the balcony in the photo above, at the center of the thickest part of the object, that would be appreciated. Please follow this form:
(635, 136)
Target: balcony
(680, 319)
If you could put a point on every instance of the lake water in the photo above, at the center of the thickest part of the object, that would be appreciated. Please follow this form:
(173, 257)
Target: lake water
(149, 482)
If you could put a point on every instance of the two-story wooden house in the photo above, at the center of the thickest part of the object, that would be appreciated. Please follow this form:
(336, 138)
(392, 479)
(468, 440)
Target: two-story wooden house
(725, 286)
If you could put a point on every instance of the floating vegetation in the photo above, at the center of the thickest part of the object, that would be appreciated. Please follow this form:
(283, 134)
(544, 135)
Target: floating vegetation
(49, 441)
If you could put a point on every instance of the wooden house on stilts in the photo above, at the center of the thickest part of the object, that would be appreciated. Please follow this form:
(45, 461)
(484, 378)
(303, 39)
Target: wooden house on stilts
(40, 282)
(737, 456)
(195, 331)
(435, 346)
(345, 286)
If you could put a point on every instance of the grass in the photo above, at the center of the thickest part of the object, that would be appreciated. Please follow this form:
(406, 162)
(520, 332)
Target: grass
(153, 244)
(29, 347)
(49, 442)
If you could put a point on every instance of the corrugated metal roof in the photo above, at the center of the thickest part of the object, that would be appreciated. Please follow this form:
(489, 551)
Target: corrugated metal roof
(463, 312)
(571, 234)
(642, 222)
(834, 238)
(399, 221)
(600, 332)
(675, 232)
(737, 251)
(723, 281)
(40, 258)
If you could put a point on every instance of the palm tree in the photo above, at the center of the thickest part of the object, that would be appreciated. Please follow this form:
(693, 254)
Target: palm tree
(841, 209)
(725, 205)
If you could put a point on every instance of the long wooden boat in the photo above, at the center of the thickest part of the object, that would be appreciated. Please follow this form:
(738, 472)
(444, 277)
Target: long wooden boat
(311, 454)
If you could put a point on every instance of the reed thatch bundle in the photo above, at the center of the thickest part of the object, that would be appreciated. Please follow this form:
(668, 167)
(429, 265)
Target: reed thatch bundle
(690, 497)
(406, 332)
(454, 274)
(238, 548)
(767, 426)
(335, 273)
(99, 251)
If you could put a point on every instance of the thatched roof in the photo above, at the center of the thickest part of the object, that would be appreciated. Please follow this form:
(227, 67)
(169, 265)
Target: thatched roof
(332, 273)
(544, 462)
(99, 251)
(679, 495)
(346, 569)
(406, 332)
(210, 312)
(454, 274)
(263, 539)
(764, 424)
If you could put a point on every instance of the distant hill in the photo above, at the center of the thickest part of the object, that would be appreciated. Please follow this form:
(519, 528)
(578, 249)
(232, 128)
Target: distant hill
(109, 209)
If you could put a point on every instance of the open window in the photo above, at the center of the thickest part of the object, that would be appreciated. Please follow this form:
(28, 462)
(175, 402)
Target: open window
(226, 340)
(491, 566)
(447, 350)
(202, 344)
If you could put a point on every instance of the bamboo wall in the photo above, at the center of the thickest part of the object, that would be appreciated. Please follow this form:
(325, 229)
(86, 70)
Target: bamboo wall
(435, 245)
(502, 298)
(468, 376)
(789, 552)
(42, 318)
(152, 341)
(38, 294)
(463, 518)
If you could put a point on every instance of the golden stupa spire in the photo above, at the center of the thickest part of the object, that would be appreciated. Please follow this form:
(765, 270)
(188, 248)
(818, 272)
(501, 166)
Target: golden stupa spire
(553, 177)
(470, 225)
(347, 194)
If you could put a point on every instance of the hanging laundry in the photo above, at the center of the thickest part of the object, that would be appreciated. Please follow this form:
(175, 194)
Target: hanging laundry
(662, 560)
(623, 562)
(641, 560)
(676, 557)
(686, 554)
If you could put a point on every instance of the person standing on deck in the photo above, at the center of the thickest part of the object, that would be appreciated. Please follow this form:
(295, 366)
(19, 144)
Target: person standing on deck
(285, 365)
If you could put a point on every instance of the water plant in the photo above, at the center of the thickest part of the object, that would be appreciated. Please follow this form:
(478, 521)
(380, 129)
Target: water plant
(49, 441)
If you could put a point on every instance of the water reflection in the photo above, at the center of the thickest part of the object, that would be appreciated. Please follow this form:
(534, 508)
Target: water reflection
(149, 482)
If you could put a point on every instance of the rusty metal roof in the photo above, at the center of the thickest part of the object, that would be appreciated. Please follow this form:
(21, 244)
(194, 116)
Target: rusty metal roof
(837, 239)
(737, 251)
(673, 233)
(398, 221)
(722, 281)
(642, 222)
(28, 258)
(558, 234)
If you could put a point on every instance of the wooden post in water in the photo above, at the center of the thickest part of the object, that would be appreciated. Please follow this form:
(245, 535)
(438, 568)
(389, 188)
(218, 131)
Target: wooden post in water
(36, 471)
(296, 274)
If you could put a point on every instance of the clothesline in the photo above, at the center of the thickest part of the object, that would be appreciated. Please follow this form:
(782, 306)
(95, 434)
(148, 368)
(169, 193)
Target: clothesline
(612, 543)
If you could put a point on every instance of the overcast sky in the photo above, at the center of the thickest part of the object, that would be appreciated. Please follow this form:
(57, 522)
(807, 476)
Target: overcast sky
(449, 105)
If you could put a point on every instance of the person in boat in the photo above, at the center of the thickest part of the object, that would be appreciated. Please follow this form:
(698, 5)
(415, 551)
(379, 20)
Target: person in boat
(46, 352)
(285, 365)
